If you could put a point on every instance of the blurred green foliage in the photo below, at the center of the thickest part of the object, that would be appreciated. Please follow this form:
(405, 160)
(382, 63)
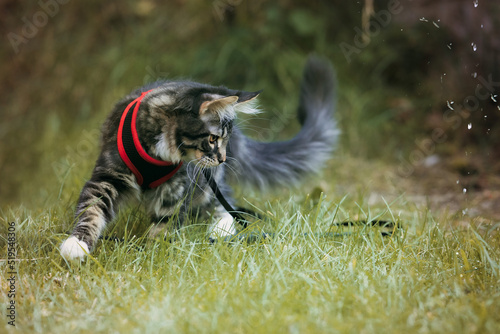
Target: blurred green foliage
(63, 81)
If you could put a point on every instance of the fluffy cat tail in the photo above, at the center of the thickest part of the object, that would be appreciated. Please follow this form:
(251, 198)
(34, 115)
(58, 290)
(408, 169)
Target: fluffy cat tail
(285, 163)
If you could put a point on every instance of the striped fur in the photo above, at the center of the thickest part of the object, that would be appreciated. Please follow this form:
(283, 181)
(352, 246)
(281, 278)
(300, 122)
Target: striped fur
(194, 123)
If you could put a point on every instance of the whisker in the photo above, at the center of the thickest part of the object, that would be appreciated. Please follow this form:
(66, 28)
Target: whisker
(234, 172)
(248, 120)
(235, 160)
(177, 149)
(188, 171)
(234, 169)
(197, 174)
(255, 130)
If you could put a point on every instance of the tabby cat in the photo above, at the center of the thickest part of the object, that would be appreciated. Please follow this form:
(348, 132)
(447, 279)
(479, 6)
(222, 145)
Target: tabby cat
(158, 139)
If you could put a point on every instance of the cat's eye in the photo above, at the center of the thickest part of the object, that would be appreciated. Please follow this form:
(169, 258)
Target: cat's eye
(212, 139)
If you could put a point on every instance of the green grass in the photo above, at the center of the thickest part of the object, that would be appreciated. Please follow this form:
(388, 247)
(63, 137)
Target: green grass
(440, 274)
(430, 277)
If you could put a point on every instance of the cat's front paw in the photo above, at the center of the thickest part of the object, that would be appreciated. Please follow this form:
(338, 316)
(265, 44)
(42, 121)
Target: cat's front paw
(222, 228)
(74, 249)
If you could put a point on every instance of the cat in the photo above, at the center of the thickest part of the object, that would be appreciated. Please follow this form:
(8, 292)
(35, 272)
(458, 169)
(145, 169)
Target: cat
(158, 139)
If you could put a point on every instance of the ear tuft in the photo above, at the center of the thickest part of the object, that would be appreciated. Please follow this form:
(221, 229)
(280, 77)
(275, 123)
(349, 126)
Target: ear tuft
(247, 103)
(249, 107)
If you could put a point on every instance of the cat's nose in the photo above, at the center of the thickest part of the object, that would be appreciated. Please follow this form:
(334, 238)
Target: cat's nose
(221, 157)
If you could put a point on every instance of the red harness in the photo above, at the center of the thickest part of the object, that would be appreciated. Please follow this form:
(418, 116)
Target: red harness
(149, 172)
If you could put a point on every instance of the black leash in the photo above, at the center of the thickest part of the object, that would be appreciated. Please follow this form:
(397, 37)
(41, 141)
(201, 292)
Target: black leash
(253, 236)
(236, 214)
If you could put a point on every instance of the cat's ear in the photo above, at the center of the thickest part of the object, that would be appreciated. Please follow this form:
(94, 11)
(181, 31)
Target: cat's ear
(246, 103)
(247, 96)
(217, 105)
(226, 106)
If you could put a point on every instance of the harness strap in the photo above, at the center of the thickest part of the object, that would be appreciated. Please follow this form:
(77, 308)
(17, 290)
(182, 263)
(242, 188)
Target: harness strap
(211, 182)
(149, 172)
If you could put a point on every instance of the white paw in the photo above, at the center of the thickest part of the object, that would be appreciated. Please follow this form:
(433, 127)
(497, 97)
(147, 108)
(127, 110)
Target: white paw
(73, 249)
(223, 227)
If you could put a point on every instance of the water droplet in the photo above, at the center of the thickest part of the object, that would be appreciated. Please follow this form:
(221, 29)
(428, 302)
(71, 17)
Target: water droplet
(423, 19)
(493, 98)
(476, 3)
(482, 26)
(485, 116)
(474, 75)
(464, 190)
(449, 103)
(458, 181)
(474, 46)
(435, 24)
(469, 126)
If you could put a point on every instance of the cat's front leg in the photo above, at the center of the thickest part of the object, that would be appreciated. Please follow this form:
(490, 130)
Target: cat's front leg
(166, 207)
(223, 225)
(96, 207)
